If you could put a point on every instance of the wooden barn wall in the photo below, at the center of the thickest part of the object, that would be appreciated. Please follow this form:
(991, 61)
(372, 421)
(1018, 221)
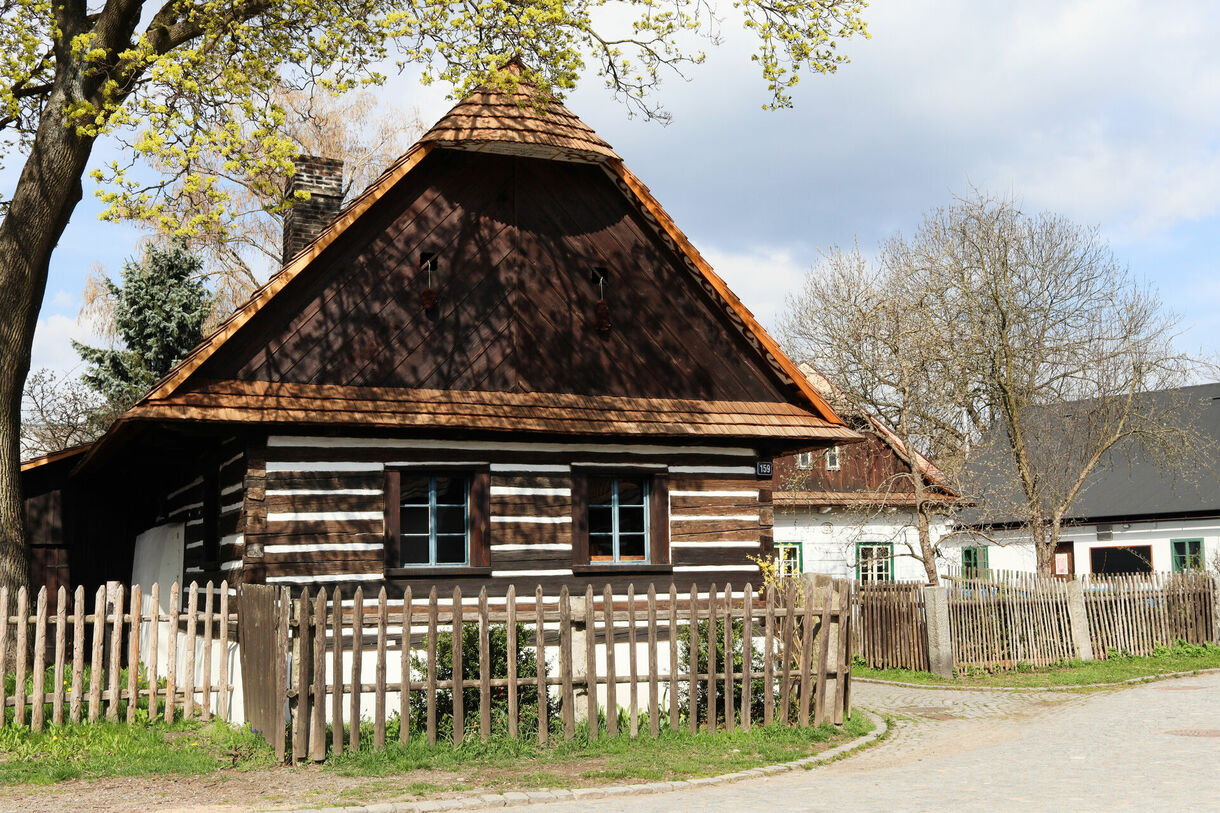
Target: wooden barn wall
(321, 518)
(516, 241)
(868, 466)
(209, 499)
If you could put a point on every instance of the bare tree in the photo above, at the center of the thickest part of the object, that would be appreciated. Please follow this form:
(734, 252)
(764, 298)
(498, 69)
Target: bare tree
(59, 411)
(864, 327)
(1067, 347)
(1015, 350)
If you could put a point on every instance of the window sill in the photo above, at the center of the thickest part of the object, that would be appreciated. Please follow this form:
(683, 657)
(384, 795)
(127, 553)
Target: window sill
(626, 567)
(435, 572)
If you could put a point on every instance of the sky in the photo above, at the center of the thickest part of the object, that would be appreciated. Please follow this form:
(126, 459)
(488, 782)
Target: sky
(1107, 111)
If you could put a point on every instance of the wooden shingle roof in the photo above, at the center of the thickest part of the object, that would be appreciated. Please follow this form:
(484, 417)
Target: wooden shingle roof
(263, 402)
(518, 122)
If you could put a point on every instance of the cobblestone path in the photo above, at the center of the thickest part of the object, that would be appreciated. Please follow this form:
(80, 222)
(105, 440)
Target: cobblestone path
(1149, 747)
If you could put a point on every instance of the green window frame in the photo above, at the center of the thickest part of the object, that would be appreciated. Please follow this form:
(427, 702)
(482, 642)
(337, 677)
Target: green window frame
(1187, 554)
(875, 561)
(789, 559)
(974, 560)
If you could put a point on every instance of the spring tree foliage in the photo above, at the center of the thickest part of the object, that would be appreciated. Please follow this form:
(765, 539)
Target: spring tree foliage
(169, 81)
(158, 317)
(243, 242)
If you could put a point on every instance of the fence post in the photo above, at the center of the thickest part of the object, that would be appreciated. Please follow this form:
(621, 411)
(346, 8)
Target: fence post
(579, 664)
(1078, 618)
(940, 636)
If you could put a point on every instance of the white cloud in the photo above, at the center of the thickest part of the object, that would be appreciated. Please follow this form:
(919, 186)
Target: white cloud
(762, 278)
(62, 300)
(52, 342)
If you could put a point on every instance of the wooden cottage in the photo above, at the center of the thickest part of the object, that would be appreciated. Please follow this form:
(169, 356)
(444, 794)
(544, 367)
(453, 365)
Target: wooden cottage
(501, 364)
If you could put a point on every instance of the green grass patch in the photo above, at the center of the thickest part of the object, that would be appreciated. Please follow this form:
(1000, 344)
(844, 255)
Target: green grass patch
(505, 763)
(1181, 657)
(114, 749)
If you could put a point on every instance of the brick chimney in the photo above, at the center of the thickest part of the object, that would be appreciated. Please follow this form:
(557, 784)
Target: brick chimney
(322, 178)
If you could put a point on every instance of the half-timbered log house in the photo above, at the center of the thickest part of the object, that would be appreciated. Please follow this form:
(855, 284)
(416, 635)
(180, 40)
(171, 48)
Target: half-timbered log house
(501, 364)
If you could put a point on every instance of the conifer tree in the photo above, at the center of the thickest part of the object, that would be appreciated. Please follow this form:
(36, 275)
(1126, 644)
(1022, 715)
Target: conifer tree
(159, 312)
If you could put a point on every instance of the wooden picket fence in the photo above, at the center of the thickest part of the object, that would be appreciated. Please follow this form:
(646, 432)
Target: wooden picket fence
(799, 670)
(104, 664)
(997, 623)
(890, 625)
(1136, 613)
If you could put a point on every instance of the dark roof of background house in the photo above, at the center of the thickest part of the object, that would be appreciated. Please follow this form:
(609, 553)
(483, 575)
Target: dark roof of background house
(1129, 483)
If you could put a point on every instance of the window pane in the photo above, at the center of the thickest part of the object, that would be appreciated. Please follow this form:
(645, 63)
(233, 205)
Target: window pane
(601, 548)
(413, 550)
(631, 548)
(451, 550)
(451, 520)
(631, 491)
(631, 520)
(601, 490)
(600, 519)
(413, 490)
(414, 520)
(450, 490)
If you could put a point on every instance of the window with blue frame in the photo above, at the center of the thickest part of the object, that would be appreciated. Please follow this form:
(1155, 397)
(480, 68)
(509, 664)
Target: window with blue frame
(433, 520)
(618, 519)
(1187, 554)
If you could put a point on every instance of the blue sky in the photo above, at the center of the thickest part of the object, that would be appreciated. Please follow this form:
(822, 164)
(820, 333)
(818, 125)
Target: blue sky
(1105, 110)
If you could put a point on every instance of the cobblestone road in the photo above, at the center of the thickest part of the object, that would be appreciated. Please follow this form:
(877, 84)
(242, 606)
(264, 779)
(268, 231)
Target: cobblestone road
(1150, 747)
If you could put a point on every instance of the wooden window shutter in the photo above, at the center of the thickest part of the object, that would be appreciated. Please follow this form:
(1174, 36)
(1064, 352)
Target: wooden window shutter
(580, 518)
(658, 519)
(479, 519)
(393, 518)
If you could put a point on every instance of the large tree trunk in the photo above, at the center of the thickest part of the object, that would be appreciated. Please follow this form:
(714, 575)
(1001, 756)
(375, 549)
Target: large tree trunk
(1044, 547)
(926, 548)
(47, 192)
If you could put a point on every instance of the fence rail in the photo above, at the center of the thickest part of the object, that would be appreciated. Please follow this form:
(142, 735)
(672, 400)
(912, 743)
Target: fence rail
(127, 654)
(998, 623)
(539, 665)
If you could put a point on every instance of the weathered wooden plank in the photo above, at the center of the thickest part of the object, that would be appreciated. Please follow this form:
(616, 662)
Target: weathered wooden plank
(302, 670)
(711, 659)
(379, 700)
(673, 657)
(317, 707)
(692, 631)
(788, 632)
(282, 642)
(729, 685)
(336, 698)
(567, 701)
(97, 673)
(133, 653)
(78, 651)
(823, 654)
(769, 656)
(38, 682)
(404, 692)
(353, 733)
(188, 677)
(484, 669)
(222, 686)
(654, 713)
(540, 659)
(747, 658)
(431, 667)
(590, 653)
(205, 702)
(611, 677)
(510, 658)
(459, 676)
(61, 641)
(633, 689)
(115, 610)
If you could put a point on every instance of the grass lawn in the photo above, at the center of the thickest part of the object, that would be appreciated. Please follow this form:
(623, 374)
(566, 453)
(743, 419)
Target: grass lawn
(224, 765)
(1116, 668)
(115, 749)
